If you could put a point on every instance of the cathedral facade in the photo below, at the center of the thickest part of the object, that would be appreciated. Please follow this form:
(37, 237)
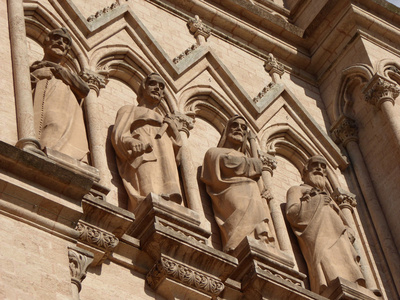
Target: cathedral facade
(168, 149)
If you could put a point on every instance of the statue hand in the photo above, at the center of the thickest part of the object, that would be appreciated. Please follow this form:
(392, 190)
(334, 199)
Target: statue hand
(138, 148)
(327, 199)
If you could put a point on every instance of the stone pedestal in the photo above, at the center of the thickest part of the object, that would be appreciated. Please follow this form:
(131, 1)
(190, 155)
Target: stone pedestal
(267, 273)
(342, 289)
(183, 261)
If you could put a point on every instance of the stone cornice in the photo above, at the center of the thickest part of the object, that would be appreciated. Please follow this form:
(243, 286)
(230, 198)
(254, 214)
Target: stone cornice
(97, 237)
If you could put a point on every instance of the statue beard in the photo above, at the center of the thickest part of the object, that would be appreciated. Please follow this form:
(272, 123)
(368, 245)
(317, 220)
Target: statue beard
(317, 181)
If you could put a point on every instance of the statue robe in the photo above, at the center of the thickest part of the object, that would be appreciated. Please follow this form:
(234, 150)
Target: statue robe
(58, 116)
(323, 238)
(155, 171)
(238, 207)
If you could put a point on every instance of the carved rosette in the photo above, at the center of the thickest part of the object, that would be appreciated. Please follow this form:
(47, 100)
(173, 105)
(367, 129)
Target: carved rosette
(196, 27)
(344, 199)
(272, 66)
(166, 267)
(344, 131)
(103, 11)
(185, 122)
(79, 261)
(94, 80)
(185, 53)
(96, 237)
(264, 91)
(379, 90)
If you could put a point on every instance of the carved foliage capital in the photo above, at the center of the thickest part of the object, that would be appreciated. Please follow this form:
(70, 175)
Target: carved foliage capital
(94, 80)
(344, 199)
(379, 90)
(185, 122)
(196, 27)
(79, 261)
(268, 160)
(96, 237)
(167, 267)
(271, 65)
(344, 131)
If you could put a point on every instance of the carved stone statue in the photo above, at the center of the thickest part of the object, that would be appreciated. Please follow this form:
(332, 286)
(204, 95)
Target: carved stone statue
(230, 177)
(57, 99)
(147, 146)
(322, 231)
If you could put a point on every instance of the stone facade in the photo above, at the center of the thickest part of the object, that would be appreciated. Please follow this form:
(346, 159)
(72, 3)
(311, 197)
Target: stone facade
(310, 78)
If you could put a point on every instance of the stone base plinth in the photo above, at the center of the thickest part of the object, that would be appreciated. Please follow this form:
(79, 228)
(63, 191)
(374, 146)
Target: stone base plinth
(342, 289)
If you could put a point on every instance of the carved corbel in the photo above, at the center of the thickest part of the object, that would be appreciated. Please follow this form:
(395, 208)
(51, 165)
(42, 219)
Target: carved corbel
(79, 261)
(379, 90)
(344, 131)
(200, 31)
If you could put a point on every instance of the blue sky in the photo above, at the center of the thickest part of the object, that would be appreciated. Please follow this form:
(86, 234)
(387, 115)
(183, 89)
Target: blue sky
(395, 2)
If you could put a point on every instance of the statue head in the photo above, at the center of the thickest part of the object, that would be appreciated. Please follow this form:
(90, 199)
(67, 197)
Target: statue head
(57, 44)
(151, 89)
(235, 134)
(315, 172)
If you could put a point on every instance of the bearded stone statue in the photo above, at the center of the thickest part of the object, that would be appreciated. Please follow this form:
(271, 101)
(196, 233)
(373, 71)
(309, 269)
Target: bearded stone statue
(323, 233)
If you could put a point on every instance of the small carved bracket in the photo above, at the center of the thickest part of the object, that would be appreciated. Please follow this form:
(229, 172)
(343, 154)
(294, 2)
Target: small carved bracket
(272, 66)
(79, 261)
(380, 89)
(197, 28)
(184, 274)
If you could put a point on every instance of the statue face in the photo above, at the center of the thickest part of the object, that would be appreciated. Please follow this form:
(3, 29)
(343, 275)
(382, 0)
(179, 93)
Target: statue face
(155, 89)
(57, 46)
(316, 173)
(237, 131)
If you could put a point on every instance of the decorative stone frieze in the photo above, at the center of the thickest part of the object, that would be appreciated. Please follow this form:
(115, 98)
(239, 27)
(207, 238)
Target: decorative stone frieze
(94, 80)
(96, 237)
(380, 89)
(79, 261)
(263, 92)
(167, 267)
(185, 53)
(344, 131)
(344, 199)
(103, 11)
(272, 66)
(197, 27)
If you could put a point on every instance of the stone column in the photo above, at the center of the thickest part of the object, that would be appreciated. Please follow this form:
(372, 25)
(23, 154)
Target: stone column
(79, 261)
(274, 68)
(347, 202)
(200, 31)
(22, 83)
(94, 121)
(188, 170)
(269, 165)
(345, 131)
(382, 92)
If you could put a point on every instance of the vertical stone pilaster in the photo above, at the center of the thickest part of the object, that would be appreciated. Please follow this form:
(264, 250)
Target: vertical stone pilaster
(345, 132)
(79, 261)
(93, 122)
(22, 84)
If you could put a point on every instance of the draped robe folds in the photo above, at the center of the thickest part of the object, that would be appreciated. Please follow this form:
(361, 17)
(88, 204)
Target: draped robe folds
(58, 116)
(237, 204)
(323, 238)
(155, 171)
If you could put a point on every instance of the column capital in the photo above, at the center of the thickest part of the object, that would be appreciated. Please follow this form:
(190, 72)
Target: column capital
(197, 27)
(344, 199)
(94, 80)
(185, 122)
(79, 261)
(272, 66)
(379, 90)
(344, 130)
(268, 160)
